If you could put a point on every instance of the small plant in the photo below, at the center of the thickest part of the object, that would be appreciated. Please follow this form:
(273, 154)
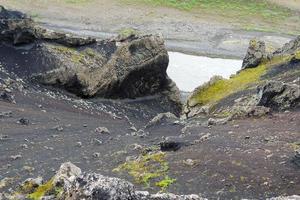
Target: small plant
(127, 32)
(149, 169)
(165, 183)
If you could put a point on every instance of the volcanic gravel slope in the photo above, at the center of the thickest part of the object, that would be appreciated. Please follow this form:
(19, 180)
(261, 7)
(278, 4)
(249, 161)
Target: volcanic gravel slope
(41, 128)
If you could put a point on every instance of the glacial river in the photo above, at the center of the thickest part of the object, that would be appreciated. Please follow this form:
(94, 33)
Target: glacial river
(189, 72)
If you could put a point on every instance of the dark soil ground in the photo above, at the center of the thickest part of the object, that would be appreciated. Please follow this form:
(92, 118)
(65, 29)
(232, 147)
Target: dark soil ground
(251, 158)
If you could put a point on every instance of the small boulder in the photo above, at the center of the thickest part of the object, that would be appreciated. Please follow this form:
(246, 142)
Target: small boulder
(66, 175)
(279, 95)
(170, 145)
(160, 118)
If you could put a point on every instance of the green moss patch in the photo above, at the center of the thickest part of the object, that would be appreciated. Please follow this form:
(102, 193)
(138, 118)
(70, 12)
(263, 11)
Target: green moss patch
(150, 170)
(210, 94)
(224, 87)
(41, 190)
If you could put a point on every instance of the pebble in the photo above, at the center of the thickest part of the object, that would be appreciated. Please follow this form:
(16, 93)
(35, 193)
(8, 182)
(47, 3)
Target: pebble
(58, 128)
(133, 129)
(98, 142)
(189, 162)
(96, 155)
(23, 121)
(102, 130)
(25, 146)
(79, 144)
(15, 157)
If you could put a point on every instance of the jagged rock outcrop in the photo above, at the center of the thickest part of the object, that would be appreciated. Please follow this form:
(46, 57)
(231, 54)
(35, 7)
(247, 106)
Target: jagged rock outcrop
(255, 54)
(128, 67)
(279, 95)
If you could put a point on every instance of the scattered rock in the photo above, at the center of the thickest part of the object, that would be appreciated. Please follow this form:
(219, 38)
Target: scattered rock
(160, 118)
(4, 96)
(189, 162)
(96, 155)
(79, 144)
(98, 142)
(132, 128)
(214, 121)
(170, 145)
(58, 128)
(23, 121)
(203, 138)
(6, 114)
(103, 130)
(140, 133)
(24, 146)
(15, 157)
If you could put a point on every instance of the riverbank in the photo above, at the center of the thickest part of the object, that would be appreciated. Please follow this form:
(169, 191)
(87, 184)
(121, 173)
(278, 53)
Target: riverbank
(192, 32)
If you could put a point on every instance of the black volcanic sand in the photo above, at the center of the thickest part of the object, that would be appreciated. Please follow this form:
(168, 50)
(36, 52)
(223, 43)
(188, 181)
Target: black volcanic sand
(249, 158)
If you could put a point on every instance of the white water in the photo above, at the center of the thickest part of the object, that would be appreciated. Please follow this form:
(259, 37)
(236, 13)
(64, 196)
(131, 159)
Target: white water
(189, 72)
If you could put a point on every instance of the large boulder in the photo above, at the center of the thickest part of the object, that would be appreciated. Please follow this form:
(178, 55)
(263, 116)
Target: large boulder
(255, 54)
(128, 67)
(133, 67)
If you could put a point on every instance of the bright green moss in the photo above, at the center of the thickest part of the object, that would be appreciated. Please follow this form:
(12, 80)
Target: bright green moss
(224, 87)
(221, 88)
(165, 183)
(42, 190)
(148, 169)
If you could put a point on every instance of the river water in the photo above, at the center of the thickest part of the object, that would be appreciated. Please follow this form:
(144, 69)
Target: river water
(189, 72)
